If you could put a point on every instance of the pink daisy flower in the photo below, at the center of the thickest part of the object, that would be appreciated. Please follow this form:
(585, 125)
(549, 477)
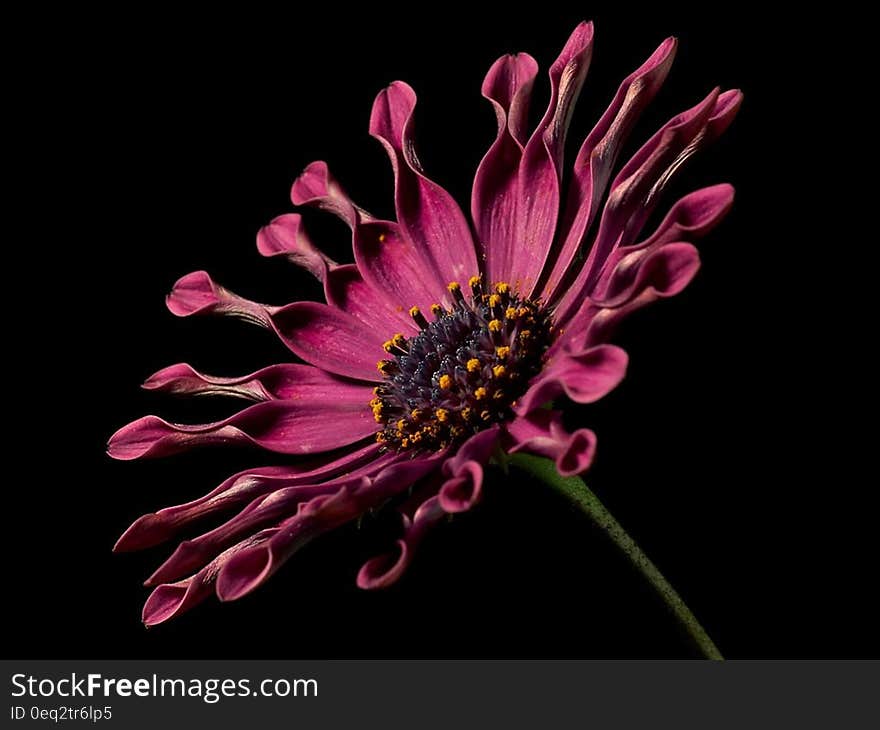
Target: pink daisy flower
(440, 347)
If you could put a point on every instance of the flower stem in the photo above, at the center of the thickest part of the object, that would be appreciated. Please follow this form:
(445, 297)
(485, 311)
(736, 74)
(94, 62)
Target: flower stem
(574, 489)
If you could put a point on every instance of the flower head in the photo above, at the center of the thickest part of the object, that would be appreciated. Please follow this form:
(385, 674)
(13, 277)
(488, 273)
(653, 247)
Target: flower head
(445, 340)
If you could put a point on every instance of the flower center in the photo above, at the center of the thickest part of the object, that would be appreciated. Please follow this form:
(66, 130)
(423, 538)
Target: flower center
(463, 371)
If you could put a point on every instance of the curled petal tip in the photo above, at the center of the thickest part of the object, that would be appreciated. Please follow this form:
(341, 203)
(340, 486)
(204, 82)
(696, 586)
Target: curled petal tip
(243, 573)
(191, 294)
(164, 603)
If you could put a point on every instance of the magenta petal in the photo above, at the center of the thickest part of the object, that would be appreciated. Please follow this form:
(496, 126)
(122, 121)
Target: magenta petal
(496, 191)
(288, 427)
(276, 382)
(317, 187)
(598, 154)
(383, 570)
(331, 339)
(667, 270)
(636, 189)
(156, 527)
(428, 215)
(542, 433)
(346, 289)
(540, 171)
(286, 236)
(197, 293)
(584, 377)
(391, 264)
(172, 599)
(464, 471)
(250, 568)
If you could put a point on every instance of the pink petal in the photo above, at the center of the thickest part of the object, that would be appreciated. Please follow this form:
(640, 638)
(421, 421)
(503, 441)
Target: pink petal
(428, 215)
(250, 568)
(346, 289)
(331, 339)
(584, 377)
(392, 266)
(156, 527)
(383, 570)
(337, 417)
(286, 236)
(540, 171)
(318, 188)
(636, 189)
(496, 192)
(197, 293)
(464, 471)
(286, 381)
(269, 509)
(541, 432)
(173, 599)
(598, 154)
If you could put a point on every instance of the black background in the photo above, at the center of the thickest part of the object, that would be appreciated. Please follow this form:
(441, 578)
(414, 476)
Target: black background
(159, 146)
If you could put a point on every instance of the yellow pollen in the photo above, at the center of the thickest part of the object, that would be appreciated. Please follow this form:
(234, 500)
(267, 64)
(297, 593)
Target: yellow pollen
(376, 390)
(399, 340)
(445, 382)
(383, 365)
(380, 437)
(436, 310)
(414, 311)
(495, 325)
(524, 335)
(415, 414)
(480, 393)
(499, 370)
(416, 437)
(502, 287)
(388, 345)
(442, 415)
(510, 313)
(382, 238)
(502, 351)
(453, 286)
(522, 312)
(494, 300)
(401, 424)
(473, 281)
(473, 365)
(404, 443)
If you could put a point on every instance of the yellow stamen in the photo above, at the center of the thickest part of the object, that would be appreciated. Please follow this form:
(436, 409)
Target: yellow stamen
(525, 335)
(495, 325)
(473, 365)
(404, 443)
(384, 366)
(480, 393)
(510, 313)
(401, 424)
(415, 414)
(502, 287)
(445, 382)
(453, 286)
(442, 415)
(436, 310)
(388, 345)
(494, 300)
(499, 370)
(399, 340)
(474, 281)
(502, 351)
(414, 312)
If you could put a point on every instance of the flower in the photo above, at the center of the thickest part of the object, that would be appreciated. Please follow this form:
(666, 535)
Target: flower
(440, 347)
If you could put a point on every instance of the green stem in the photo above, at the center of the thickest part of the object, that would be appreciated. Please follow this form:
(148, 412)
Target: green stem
(574, 489)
